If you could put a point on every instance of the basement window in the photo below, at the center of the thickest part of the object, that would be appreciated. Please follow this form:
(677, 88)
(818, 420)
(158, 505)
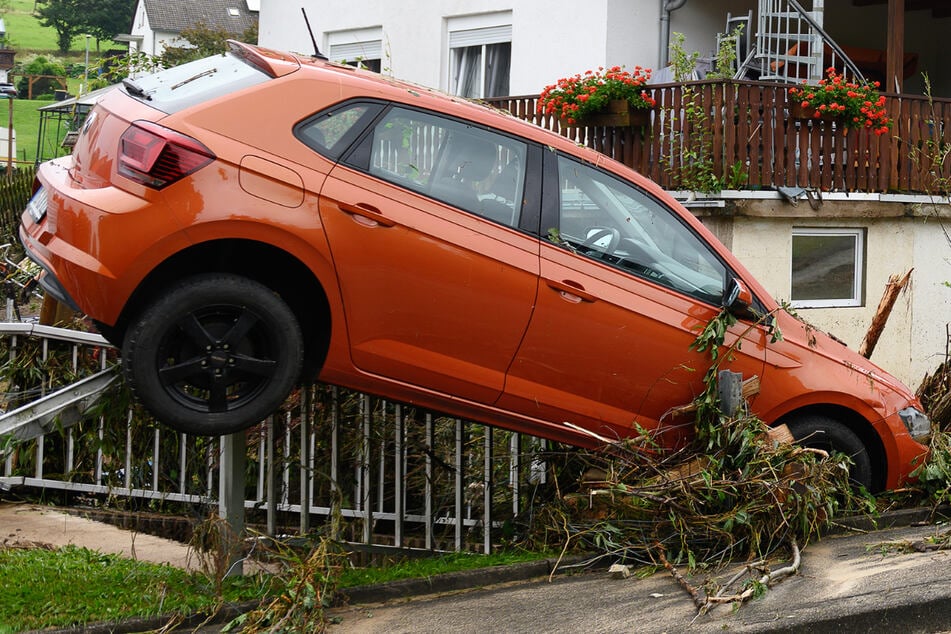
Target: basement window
(828, 267)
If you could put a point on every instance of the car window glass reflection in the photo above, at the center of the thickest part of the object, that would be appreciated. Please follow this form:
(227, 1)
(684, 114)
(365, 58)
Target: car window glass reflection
(325, 132)
(470, 168)
(611, 221)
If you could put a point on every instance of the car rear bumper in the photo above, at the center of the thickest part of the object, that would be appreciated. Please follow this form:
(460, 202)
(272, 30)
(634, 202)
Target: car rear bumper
(67, 240)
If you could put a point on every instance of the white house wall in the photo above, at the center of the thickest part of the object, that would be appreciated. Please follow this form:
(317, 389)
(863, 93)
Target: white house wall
(151, 42)
(549, 39)
(914, 340)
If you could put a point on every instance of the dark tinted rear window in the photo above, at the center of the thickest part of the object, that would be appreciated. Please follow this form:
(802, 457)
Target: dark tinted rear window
(177, 88)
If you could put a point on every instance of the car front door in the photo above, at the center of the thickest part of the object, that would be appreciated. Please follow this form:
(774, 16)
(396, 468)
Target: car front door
(626, 285)
(437, 276)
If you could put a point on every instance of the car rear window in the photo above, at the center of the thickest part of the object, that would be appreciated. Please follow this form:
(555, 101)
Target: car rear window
(180, 87)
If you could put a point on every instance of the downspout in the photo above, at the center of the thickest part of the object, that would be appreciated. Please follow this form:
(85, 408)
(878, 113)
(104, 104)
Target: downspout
(666, 8)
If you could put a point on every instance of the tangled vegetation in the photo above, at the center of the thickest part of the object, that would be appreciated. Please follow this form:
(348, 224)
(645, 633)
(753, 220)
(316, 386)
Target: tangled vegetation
(738, 490)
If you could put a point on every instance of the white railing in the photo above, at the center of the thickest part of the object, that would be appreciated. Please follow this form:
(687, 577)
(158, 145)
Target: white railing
(791, 46)
(394, 475)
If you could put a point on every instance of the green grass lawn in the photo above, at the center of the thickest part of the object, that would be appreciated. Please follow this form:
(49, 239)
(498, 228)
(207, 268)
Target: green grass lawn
(26, 34)
(72, 586)
(26, 122)
(39, 589)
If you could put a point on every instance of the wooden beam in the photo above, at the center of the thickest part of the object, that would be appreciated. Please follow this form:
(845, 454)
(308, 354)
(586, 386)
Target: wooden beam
(894, 75)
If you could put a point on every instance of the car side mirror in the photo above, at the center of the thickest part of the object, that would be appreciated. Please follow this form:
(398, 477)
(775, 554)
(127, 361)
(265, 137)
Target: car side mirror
(738, 299)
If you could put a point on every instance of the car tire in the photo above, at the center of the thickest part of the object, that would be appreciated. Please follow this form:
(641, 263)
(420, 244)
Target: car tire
(819, 432)
(214, 355)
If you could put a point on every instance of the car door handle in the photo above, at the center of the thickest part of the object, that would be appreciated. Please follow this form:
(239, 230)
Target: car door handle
(571, 291)
(366, 215)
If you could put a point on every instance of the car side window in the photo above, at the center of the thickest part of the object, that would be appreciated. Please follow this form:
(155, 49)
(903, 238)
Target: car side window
(470, 168)
(332, 131)
(609, 220)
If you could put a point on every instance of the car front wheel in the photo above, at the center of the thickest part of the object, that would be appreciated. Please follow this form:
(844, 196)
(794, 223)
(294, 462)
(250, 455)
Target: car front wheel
(214, 355)
(830, 435)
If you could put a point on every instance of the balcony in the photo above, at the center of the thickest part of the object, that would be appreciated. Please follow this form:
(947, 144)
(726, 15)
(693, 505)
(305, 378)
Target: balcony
(756, 144)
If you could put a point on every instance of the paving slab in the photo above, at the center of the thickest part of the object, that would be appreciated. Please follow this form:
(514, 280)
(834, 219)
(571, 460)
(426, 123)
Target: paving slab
(24, 524)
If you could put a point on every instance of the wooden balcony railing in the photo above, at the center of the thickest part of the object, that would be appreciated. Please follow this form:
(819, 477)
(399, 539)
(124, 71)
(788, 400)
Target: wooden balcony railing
(750, 132)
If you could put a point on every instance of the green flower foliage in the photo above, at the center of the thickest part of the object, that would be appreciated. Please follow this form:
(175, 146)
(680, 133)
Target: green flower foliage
(573, 98)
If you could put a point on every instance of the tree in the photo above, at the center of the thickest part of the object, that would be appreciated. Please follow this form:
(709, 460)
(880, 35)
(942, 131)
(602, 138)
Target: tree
(106, 18)
(102, 19)
(66, 17)
(205, 41)
(44, 86)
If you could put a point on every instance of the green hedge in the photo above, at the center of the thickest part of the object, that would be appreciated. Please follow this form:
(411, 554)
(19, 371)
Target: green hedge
(15, 193)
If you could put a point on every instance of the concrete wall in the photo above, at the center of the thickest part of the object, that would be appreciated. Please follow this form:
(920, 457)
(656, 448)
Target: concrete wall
(899, 236)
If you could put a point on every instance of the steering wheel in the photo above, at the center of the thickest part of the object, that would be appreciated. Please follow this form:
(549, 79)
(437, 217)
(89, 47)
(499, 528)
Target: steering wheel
(596, 236)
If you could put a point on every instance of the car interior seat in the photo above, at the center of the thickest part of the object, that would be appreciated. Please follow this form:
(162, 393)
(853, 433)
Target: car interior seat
(467, 161)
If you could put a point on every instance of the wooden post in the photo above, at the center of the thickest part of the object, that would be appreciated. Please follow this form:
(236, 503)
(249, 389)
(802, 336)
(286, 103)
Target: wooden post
(895, 55)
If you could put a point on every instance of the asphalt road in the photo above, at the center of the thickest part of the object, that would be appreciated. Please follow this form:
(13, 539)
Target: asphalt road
(847, 583)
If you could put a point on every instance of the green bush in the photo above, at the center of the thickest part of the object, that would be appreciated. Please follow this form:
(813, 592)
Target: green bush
(40, 65)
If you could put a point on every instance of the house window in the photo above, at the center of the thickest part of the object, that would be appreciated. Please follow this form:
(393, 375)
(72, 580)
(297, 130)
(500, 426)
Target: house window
(828, 267)
(480, 61)
(362, 48)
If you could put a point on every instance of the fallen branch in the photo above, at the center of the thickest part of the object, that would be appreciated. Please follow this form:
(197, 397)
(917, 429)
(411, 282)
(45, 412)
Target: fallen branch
(751, 387)
(704, 604)
(892, 289)
(698, 601)
(765, 580)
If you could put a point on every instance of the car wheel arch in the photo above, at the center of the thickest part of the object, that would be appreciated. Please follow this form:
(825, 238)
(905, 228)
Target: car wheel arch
(283, 272)
(856, 424)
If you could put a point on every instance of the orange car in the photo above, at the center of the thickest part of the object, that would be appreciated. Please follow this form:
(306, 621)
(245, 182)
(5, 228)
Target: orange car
(241, 222)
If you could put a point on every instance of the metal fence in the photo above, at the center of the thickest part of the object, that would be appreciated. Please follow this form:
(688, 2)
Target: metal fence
(391, 474)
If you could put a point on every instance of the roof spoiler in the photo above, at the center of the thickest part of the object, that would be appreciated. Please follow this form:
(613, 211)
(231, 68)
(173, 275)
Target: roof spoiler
(271, 62)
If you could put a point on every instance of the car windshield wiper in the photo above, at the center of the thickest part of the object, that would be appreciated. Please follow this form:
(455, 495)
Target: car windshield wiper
(135, 90)
(204, 73)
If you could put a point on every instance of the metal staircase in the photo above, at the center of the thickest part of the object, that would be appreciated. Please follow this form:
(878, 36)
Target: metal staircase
(789, 45)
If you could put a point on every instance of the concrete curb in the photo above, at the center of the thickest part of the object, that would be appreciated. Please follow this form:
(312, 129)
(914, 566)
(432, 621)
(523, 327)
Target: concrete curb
(460, 580)
(226, 614)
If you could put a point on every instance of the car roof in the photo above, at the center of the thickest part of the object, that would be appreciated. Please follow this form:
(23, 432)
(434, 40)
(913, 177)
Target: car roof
(360, 82)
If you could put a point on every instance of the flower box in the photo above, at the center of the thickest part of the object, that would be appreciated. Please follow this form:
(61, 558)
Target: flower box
(617, 114)
(852, 104)
(808, 113)
(601, 98)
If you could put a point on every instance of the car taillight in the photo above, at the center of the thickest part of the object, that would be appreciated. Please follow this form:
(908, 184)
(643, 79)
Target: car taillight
(156, 156)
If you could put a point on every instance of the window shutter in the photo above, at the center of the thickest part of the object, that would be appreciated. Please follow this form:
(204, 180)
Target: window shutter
(476, 37)
(372, 49)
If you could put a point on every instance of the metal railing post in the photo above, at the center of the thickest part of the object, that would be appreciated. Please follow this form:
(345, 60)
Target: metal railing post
(231, 493)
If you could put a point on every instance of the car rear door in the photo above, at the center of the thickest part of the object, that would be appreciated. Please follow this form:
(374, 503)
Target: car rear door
(438, 278)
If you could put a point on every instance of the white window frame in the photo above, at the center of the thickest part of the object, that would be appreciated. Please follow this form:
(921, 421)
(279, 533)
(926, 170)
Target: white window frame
(858, 267)
(356, 44)
(476, 30)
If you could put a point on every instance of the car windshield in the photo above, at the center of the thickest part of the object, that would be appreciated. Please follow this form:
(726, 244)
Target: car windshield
(177, 88)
